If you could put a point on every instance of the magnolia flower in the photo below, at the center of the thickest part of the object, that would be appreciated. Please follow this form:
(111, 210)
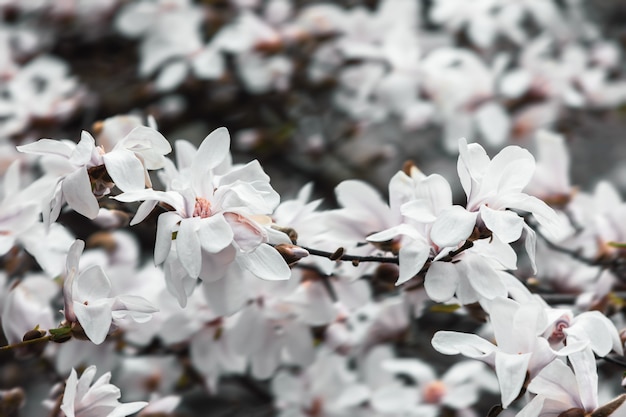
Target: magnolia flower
(81, 399)
(80, 181)
(559, 389)
(88, 300)
(217, 220)
(519, 350)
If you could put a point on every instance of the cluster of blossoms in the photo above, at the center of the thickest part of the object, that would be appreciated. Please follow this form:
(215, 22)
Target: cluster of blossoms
(136, 275)
(222, 228)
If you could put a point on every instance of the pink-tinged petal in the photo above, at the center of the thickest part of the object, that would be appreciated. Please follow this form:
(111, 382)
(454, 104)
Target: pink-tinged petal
(467, 344)
(442, 280)
(47, 147)
(69, 395)
(95, 318)
(585, 368)
(452, 227)
(188, 246)
(77, 192)
(245, 232)
(412, 258)
(215, 233)
(213, 151)
(143, 211)
(505, 224)
(81, 155)
(266, 263)
(92, 284)
(483, 278)
(125, 169)
(163, 241)
(511, 371)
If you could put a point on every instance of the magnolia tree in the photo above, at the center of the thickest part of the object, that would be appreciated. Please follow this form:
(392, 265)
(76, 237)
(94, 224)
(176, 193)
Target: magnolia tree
(133, 279)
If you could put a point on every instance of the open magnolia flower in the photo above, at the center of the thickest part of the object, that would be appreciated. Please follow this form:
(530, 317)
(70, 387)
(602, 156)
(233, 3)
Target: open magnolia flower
(88, 299)
(217, 220)
(80, 181)
(82, 399)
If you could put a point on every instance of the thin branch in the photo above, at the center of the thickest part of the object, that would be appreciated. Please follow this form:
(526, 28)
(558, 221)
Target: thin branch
(27, 342)
(354, 258)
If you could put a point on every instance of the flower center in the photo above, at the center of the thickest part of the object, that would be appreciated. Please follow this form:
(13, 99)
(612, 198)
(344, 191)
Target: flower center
(434, 392)
(557, 334)
(202, 208)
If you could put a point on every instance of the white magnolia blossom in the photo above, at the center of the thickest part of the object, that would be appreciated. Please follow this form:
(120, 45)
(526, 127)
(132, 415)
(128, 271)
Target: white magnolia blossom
(81, 398)
(218, 224)
(88, 299)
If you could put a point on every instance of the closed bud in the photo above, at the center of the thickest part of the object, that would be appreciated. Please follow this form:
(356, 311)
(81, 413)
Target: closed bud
(291, 253)
(34, 349)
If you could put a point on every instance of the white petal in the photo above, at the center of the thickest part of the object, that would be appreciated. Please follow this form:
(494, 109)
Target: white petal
(212, 152)
(47, 147)
(452, 227)
(467, 344)
(511, 371)
(505, 224)
(188, 246)
(483, 278)
(509, 171)
(77, 192)
(163, 241)
(95, 318)
(92, 284)
(215, 233)
(412, 258)
(266, 263)
(125, 170)
(442, 280)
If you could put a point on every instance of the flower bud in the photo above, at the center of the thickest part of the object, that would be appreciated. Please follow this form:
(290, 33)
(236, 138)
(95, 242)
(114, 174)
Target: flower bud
(32, 350)
(291, 253)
